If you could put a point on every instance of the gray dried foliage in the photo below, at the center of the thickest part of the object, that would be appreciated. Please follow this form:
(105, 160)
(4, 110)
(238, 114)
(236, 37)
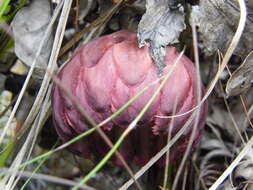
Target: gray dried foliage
(217, 21)
(29, 26)
(241, 79)
(220, 116)
(243, 173)
(160, 26)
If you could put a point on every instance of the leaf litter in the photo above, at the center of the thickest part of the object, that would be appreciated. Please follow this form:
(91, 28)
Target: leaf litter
(217, 22)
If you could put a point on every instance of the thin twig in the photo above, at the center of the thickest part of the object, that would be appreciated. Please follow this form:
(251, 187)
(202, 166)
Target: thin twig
(231, 116)
(93, 124)
(197, 112)
(153, 160)
(166, 169)
(102, 19)
(21, 94)
(32, 137)
(49, 178)
(233, 44)
(132, 125)
(239, 31)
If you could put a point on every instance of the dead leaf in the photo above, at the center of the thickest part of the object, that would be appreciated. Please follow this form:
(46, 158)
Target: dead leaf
(241, 78)
(160, 26)
(29, 26)
(217, 22)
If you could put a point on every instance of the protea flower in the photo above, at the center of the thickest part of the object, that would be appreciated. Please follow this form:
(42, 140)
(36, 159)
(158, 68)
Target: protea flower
(103, 75)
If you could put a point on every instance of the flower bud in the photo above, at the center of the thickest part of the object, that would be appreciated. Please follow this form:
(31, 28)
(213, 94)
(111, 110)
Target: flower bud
(103, 75)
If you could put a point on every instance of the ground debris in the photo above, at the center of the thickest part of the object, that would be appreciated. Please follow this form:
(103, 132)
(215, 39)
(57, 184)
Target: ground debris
(161, 25)
(217, 21)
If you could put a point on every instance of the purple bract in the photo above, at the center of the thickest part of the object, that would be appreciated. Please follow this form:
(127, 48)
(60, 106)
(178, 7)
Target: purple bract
(103, 75)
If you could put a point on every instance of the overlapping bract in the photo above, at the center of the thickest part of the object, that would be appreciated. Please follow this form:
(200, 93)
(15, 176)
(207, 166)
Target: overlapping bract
(103, 75)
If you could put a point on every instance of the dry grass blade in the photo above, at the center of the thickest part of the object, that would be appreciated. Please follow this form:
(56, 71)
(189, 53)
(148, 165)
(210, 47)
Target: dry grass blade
(232, 117)
(231, 167)
(166, 169)
(131, 126)
(93, 124)
(246, 111)
(102, 19)
(197, 112)
(49, 178)
(51, 66)
(229, 52)
(159, 154)
(26, 149)
(9, 181)
(36, 60)
(235, 40)
(44, 87)
(41, 109)
(92, 129)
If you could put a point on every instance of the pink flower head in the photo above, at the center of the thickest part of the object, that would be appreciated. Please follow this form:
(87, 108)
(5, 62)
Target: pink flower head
(103, 75)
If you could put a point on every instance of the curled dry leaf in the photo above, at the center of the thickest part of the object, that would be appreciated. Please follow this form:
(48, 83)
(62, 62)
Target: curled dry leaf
(242, 77)
(160, 26)
(103, 75)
